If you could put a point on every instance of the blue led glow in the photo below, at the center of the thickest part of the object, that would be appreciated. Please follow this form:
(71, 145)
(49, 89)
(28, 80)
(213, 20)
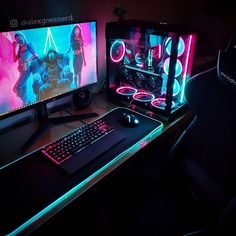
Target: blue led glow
(178, 67)
(117, 51)
(139, 59)
(79, 189)
(181, 46)
(176, 88)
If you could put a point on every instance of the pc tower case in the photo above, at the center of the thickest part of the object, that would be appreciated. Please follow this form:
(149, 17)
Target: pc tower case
(148, 64)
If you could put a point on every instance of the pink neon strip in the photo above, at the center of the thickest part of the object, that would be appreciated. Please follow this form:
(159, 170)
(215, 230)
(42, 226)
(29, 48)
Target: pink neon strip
(185, 69)
(159, 55)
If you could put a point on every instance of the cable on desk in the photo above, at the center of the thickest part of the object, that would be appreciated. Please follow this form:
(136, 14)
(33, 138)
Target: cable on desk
(68, 112)
(98, 106)
(69, 126)
(65, 124)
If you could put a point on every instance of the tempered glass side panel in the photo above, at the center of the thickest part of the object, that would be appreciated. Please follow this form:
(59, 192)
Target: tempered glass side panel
(136, 67)
(139, 65)
(183, 68)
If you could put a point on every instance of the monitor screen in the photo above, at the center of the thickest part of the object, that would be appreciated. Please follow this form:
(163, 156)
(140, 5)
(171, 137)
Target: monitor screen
(41, 64)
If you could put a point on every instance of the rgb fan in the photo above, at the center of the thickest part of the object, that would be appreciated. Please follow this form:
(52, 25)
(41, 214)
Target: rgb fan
(117, 51)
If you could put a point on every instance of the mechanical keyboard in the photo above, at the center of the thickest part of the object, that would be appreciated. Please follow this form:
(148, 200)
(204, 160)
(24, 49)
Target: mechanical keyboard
(76, 149)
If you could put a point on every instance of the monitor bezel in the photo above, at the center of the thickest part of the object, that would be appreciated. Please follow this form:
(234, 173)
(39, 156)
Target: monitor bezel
(59, 96)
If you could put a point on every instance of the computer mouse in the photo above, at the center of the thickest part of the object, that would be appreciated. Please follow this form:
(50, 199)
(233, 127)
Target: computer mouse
(129, 120)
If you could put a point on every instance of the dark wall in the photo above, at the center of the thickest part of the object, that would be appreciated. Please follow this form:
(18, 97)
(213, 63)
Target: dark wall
(215, 20)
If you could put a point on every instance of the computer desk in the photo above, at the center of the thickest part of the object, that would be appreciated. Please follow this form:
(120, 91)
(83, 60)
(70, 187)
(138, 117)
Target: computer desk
(24, 207)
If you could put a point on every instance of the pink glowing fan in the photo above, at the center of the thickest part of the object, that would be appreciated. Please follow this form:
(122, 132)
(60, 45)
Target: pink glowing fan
(126, 90)
(143, 96)
(161, 103)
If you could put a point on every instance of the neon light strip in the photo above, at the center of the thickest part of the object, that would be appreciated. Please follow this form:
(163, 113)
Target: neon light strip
(185, 69)
(159, 51)
(75, 192)
(123, 44)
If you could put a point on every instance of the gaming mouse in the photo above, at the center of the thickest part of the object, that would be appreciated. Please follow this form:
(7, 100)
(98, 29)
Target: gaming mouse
(129, 120)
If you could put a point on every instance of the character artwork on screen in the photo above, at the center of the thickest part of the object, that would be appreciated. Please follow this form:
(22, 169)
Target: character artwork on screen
(41, 63)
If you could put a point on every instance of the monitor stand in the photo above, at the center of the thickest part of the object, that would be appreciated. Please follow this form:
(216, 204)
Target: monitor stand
(45, 123)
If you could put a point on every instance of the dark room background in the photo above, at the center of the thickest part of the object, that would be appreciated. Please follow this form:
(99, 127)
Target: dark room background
(214, 20)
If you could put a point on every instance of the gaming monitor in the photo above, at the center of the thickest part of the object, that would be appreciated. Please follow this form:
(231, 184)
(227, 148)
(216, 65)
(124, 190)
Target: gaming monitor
(39, 65)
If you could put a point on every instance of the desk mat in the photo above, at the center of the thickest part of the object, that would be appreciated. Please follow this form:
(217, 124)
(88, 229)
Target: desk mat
(33, 185)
